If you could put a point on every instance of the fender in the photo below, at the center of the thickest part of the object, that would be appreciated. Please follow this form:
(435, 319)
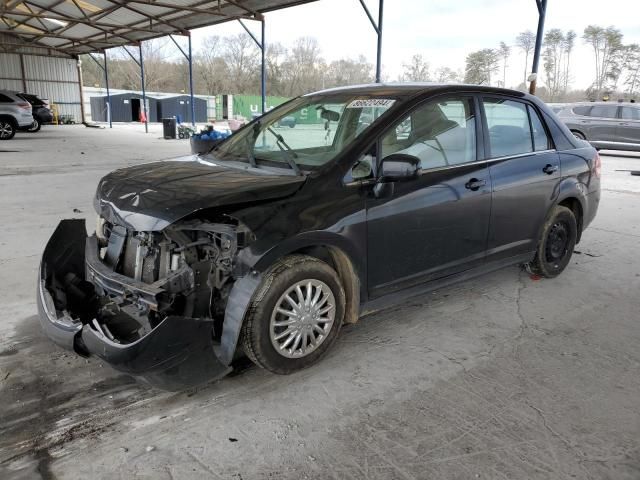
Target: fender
(344, 242)
(244, 288)
(570, 187)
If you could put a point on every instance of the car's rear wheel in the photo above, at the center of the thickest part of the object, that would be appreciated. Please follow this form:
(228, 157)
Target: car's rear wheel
(35, 126)
(295, 315)
(7, 129)
(556, 243)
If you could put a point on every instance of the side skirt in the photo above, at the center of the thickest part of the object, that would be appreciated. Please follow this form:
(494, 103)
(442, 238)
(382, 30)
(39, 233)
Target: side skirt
(399, 296)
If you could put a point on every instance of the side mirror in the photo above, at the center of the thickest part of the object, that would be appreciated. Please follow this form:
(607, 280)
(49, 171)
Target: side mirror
(399, 167)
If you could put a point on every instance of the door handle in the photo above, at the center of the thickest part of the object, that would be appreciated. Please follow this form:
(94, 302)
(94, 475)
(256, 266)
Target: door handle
(623, 123)
(549, 169)
(474, 184)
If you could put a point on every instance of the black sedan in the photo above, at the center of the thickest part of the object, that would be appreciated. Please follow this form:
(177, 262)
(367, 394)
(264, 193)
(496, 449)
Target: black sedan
(268, 244)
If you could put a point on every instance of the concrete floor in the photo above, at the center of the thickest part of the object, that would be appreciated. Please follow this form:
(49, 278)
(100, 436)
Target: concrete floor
(501, 377)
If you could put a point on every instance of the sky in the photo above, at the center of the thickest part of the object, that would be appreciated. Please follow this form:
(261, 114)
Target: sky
(444, 32)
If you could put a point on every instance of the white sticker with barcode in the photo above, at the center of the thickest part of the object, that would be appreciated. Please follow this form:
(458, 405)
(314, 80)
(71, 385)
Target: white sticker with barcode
(371, 102)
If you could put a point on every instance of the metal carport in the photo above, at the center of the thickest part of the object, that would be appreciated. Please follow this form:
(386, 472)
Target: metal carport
(74, 27)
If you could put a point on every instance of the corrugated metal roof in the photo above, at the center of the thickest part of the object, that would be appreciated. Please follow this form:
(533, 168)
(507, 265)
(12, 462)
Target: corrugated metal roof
(83, 26)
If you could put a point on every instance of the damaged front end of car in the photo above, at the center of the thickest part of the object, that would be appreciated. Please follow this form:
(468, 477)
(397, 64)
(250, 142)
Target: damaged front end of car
(166, 306)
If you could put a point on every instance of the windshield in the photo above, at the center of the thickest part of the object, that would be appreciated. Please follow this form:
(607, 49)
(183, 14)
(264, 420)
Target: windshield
(306, 133)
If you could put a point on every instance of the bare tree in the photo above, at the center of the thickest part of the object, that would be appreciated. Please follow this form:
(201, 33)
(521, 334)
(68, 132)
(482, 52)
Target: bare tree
(155, 56)
(505, 51)
(211, 67)
(554, 45)
(632, 66)
(569, 43)
(349, 72)
(416, 70)
(241, 55)
(447, 75)
(480, 65)
(304, 67)
(526, 42)
(607, 48)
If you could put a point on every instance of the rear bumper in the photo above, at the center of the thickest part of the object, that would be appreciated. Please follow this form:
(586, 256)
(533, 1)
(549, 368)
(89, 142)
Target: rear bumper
(44, 116)
(178, 353)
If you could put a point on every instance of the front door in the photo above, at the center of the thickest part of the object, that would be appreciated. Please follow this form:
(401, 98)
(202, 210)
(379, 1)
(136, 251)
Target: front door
(437, 224)
(525, 170)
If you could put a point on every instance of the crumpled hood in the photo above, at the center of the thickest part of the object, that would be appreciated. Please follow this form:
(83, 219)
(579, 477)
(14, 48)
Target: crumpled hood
(151, 196)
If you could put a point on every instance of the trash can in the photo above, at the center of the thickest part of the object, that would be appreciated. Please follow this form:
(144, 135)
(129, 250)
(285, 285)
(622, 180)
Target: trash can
(169, 128)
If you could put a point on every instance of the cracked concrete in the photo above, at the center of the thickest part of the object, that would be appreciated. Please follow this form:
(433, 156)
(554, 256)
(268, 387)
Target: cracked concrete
(500, 377)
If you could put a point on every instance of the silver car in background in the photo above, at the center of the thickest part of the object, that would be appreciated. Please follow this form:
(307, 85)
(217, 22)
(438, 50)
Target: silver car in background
(614, 126)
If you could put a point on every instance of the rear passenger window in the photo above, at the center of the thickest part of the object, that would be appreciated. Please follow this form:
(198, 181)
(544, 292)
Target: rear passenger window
(604, 111)
(5, 99)
(509, 130)
(584, 110)
(540, 138)
(439, 133)
(630, 113)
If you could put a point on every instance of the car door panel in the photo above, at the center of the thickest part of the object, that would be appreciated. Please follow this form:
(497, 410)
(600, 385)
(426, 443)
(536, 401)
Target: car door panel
(523, 193)
(431, 227)
(437, 224)
(628, 130)
(524, 175)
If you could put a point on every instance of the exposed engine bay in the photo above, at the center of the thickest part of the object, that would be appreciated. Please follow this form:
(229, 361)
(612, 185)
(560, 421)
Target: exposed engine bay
(135, 280)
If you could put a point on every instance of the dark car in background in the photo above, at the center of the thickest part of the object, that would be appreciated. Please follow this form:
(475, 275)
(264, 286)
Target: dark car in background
(614, 126)
(41, 112)
(268, 244)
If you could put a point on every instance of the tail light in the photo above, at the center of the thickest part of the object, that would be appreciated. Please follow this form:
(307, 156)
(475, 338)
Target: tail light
(597, 165)
(24, 106)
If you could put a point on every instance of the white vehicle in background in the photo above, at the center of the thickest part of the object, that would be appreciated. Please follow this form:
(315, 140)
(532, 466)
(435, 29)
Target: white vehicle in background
(15, 112)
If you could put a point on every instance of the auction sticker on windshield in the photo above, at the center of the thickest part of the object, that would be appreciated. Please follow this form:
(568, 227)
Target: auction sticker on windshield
(371, 102)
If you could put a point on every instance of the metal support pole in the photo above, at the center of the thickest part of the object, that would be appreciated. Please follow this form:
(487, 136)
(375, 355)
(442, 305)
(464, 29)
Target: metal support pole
(79, 65)
(262, 46)
(378, 28)
(106, 81)
(263, 73)
(193, 107)
(144, 95)
(379, 52)
(542, 10)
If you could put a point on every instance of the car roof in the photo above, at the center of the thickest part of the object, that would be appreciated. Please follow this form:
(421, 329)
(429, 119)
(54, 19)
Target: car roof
(413, 88)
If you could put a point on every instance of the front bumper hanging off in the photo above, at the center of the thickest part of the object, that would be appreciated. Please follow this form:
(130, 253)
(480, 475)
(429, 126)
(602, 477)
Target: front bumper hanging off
(178, 353)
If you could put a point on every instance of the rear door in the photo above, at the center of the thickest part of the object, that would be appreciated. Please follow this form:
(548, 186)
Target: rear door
(525, 170)
(603, 123)
(628, 130)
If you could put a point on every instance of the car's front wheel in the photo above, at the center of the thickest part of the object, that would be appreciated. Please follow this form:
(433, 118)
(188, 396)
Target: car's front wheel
(295, 315)
(7, 129)
(556, 243)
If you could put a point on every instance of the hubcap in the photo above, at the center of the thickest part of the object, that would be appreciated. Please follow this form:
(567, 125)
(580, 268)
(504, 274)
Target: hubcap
(302, 318)
(5, 129)
(557, 242)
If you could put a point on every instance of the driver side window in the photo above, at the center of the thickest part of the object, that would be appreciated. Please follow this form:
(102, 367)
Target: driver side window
(441, 132)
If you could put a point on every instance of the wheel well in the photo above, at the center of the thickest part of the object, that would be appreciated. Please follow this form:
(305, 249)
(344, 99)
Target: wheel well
(9, 119)
(342, 264)
(576, 207)
(575, 130)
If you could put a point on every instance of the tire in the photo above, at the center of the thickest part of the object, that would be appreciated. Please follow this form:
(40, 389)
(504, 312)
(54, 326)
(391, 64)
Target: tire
(35, 126)
(557, 240)
(7, 129)
(181, 136)
(578, 135)
(260, 330)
